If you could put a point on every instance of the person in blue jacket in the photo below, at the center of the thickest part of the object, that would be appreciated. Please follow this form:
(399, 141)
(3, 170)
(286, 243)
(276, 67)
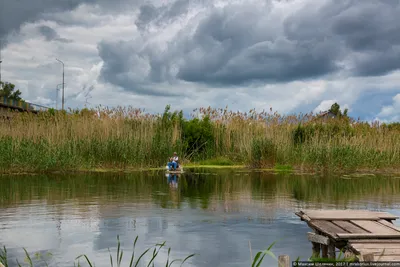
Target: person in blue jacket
(173, 162)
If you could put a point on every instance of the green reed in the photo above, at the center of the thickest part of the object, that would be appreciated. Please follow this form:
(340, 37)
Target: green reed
(135, 261)
(123, 138)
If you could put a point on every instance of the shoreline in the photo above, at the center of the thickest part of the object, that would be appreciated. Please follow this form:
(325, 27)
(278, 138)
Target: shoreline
(295, 170)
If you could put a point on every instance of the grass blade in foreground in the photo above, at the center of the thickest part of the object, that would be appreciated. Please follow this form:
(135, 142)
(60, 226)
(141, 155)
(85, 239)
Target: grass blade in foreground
(3, 257)
(133, 252)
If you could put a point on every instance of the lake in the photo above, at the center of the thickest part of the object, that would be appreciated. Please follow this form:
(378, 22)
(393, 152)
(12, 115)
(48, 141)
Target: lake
(216, 214)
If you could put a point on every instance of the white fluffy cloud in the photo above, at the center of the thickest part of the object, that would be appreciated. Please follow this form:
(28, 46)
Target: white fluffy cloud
(391, 112)
(289, 55)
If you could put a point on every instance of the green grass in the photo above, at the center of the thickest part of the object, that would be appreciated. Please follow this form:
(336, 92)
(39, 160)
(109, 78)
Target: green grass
(283, 168)
(220, 161)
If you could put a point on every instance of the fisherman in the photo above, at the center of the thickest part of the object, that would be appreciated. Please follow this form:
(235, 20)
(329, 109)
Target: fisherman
(173, 162)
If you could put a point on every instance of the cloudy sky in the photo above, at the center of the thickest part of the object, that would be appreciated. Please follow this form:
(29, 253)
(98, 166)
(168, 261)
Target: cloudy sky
(291, 55)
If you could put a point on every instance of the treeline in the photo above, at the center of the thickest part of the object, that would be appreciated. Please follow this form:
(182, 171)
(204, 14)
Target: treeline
(127, 137)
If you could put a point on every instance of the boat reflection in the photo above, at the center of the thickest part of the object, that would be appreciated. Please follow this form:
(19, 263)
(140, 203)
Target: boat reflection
(172, 180)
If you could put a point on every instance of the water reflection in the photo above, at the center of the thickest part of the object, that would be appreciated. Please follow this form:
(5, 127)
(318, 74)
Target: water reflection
(172, 180)
(214, 214)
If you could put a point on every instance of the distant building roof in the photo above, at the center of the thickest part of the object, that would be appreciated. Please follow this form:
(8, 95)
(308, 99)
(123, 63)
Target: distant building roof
(326, 114)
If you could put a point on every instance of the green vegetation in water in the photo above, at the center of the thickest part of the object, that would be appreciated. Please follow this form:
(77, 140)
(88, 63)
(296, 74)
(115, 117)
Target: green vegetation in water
(134, 261)
(126, 138)
(256, 262)
(283, 168)
(221, 161)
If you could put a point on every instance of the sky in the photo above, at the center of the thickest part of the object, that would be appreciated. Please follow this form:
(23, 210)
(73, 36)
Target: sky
(289, 55)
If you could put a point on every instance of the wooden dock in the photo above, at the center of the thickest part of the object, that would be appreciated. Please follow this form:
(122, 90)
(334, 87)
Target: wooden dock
(365, 235)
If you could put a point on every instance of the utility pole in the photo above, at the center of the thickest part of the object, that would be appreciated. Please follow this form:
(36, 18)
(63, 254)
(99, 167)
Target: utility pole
(57, 89)
(62, 83)
(1, 85)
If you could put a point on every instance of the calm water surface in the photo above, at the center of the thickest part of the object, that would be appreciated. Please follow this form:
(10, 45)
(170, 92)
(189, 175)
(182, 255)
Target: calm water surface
(214, 214)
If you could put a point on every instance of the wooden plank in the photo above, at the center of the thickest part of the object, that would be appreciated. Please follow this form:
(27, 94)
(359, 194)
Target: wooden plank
(382, 251)
(327, 228)
(347, 214)
(349, 227)
(374, 241)
(389, 224)
(302, 216)
(367, 257)
(360, 246)
(318, 238)
(374, 227)
(349, 254)
(368, 235)
(341, 215)
(387, 258)
(323, 212)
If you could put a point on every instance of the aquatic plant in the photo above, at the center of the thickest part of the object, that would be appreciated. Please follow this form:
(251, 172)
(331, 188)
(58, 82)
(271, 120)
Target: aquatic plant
(134, 261)
(256, 262)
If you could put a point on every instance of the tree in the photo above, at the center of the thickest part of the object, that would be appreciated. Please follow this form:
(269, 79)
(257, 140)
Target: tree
(345, 112)
(335, 109)
(8, 91)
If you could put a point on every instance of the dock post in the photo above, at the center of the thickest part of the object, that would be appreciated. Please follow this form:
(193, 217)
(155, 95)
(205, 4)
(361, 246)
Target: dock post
(316, 250)
(324, 251)
(331, 251)
(367, 257)
(283, 261)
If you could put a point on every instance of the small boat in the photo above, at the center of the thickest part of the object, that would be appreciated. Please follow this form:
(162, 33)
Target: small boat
(178, 170)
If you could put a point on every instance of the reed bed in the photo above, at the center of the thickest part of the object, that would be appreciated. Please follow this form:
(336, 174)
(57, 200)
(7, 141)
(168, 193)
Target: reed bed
(130, 138)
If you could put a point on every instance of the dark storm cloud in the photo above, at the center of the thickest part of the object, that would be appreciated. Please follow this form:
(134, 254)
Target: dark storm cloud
(368, 29)
(48, 32)
(148, 13)
(51, 35)
(14, 13)
(378, 63)
(152, 15)
(125, 65)
(234, 50)
(374, 31)
(244, 44)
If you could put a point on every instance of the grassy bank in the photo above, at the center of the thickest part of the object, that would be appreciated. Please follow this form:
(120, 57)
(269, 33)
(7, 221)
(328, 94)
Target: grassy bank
(130, 138)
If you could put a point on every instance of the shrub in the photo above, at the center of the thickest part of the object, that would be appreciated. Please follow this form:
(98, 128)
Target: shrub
(198, 138)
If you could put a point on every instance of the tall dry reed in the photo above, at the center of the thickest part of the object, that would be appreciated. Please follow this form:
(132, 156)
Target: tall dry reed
(127, 137)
